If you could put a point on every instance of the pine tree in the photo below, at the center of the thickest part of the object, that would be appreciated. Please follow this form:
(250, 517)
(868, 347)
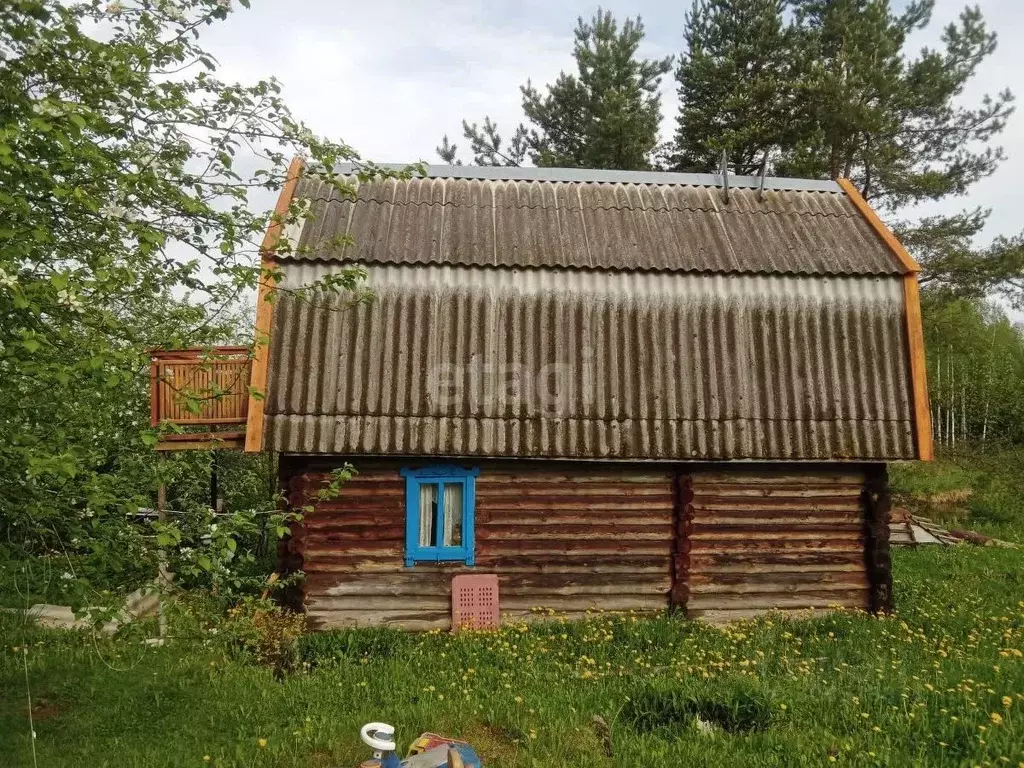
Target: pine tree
(606, 115)
(837, 94)
(736, 85)
(890, 122)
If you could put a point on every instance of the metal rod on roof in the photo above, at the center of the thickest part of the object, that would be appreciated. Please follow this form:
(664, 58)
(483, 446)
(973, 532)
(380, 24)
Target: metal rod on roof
(725, 175)
(760, 176)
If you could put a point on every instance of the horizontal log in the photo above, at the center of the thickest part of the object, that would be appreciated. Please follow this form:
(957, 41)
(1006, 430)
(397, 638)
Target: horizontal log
(354, 519)
(580, 563)
(600, 602)
(701, 566)
(819, 599)
(350, 507)
(356, 533)
(755, 586)
(810, 546)
(380, 603)
(418, 622)
(764, 506)
(606, 497)
(391, 558)
(430, 578)
(537, 476)
(654, 518)
(489, 531)
(779, 490)
(732, 517)
(777, 577)
(540, 594)
(745, 560)
(327, 561)
(702, 533)
(804, 479)
(316, 549)
(508, 505)
(587, 547)
(425, 604)
(703, 529)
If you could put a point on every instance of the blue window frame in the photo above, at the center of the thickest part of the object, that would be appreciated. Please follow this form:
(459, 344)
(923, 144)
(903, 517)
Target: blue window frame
(439, 506)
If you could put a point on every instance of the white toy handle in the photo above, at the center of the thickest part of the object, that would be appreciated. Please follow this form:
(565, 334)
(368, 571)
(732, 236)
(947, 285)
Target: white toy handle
(371, 733)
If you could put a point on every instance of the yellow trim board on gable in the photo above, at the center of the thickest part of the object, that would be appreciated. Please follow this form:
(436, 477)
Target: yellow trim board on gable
(914, 328)
(265, 310)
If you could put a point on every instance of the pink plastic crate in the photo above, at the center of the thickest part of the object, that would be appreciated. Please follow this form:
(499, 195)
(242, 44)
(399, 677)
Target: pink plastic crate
(475, 601)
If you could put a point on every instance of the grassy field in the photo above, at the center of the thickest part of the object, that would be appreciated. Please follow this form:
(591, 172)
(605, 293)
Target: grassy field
(939, 683)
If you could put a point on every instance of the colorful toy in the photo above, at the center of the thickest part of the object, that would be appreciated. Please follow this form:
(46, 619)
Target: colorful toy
(428, 751)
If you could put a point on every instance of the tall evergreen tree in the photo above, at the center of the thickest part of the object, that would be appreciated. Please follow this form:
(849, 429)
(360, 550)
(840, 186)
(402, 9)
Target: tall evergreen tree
(893, 123)
(606, 115)
(736, 85)
(837, 94)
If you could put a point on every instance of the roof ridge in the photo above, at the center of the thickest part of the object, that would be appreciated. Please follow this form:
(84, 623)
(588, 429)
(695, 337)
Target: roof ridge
(597, 175)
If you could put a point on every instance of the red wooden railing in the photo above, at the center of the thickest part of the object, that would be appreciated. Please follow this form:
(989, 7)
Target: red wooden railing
(200, 386)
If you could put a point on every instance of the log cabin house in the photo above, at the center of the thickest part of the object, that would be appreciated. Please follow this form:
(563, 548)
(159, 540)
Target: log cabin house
(613, 390)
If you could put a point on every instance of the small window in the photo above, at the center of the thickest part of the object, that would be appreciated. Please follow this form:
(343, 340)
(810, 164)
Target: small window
(439, 503)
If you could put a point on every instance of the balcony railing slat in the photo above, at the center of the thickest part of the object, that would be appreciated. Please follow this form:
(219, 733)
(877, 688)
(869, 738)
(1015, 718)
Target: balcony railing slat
(177, 375)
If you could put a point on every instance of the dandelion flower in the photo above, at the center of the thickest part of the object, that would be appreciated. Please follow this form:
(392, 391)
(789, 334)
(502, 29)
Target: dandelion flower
(262, 743)
(996, 718)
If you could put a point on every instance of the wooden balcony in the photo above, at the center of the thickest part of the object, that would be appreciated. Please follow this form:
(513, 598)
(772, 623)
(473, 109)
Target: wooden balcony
(203, 391)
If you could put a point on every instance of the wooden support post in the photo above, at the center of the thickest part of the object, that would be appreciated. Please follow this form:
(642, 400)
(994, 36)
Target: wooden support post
(877, 505)
(682, 487)
(164, 575)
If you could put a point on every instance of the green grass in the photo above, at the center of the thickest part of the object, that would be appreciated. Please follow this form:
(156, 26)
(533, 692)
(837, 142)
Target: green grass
(927, 686)
(971, 489)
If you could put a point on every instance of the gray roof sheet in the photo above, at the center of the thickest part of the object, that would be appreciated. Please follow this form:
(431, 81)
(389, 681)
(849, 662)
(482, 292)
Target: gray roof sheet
(557, 218)
(469, 361)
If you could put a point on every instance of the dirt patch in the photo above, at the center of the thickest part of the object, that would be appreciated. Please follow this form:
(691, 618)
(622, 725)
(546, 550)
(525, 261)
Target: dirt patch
(47, 709)
(491, 742)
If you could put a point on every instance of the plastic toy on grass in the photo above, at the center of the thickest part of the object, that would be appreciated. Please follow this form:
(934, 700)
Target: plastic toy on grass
(428, 751)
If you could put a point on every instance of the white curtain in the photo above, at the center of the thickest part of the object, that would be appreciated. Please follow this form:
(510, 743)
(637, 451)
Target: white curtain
(452, 515)
(428, 512)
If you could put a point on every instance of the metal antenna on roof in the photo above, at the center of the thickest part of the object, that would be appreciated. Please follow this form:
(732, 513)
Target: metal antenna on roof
(761, 175)
(725, 175)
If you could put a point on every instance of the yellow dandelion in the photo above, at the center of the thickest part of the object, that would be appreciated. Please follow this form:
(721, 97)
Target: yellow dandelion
(996, 718)
(262, 743)
(1007, 701)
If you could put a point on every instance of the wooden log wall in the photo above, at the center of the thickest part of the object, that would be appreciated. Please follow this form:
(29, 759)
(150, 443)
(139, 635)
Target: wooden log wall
(789, 538)
(563, 537)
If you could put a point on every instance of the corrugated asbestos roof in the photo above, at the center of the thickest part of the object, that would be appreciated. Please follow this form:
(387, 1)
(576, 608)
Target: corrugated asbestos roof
(469, 361)
(545, 218)
(592, 314)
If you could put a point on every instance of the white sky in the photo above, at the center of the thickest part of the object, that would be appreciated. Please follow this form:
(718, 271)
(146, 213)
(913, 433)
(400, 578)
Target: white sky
(390, 77)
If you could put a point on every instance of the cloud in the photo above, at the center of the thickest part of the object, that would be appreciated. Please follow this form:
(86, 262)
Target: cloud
(390, 78)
